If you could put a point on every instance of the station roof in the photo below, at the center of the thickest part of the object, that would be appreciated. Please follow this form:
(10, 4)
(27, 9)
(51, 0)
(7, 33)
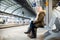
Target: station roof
(12, 6)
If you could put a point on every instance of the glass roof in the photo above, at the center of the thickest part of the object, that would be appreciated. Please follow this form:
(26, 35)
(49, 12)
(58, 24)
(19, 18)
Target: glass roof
(10, 6)
(31, 2)
(38, 4)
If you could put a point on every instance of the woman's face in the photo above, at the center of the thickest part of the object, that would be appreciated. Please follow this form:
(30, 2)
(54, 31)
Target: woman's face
(39, 8)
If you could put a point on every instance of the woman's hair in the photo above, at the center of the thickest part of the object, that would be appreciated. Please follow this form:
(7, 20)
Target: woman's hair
(42, 12)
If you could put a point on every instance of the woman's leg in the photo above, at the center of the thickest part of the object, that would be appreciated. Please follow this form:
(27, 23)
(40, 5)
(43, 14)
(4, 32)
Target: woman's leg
(34, 30)
(30, 28)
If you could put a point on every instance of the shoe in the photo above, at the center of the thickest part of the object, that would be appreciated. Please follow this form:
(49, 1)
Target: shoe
(32, 37)
(26, 32)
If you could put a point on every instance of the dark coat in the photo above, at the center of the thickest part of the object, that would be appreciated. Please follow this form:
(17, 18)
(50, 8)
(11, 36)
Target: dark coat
(40, 20)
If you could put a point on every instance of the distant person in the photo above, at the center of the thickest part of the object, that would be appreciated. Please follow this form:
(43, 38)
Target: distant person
(59, 3)
(39, 22)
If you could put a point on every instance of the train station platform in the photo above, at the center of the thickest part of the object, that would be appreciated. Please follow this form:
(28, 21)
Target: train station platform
(16, 15)
(17, 33)
(3, 26)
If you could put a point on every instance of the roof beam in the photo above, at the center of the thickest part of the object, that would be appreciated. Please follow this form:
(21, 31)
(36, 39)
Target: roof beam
(13, 15)
(25, 4)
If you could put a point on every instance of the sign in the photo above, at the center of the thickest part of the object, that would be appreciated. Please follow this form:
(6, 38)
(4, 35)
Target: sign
(34, 4)
(46, 3)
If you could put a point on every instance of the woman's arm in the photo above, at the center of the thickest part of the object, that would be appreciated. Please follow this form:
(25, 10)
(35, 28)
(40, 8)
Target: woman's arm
(40, 18)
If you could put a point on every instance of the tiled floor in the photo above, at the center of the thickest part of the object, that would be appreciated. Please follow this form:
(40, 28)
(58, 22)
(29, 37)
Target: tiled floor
(17, 33)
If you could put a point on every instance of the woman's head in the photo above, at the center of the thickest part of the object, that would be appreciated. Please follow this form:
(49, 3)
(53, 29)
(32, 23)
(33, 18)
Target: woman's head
(42, 12)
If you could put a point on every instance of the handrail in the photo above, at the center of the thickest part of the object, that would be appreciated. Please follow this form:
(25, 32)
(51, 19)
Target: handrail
(1, 12)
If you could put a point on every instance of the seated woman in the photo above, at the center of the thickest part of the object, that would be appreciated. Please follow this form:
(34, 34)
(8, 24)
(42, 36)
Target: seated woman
(35, 24)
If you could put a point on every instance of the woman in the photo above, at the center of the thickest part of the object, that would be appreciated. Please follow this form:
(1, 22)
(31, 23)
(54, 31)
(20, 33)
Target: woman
(35, 24)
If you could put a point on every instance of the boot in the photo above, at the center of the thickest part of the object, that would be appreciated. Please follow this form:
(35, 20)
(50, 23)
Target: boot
(29, 30)
(33, 35)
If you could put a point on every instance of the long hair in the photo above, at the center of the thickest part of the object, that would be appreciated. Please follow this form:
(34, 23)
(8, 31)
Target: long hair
(40, 15)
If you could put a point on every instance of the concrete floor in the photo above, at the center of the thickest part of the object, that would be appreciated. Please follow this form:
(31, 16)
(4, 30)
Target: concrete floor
(17, 33)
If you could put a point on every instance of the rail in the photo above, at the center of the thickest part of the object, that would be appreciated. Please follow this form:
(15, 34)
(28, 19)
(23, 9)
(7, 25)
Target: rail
(4, 26)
